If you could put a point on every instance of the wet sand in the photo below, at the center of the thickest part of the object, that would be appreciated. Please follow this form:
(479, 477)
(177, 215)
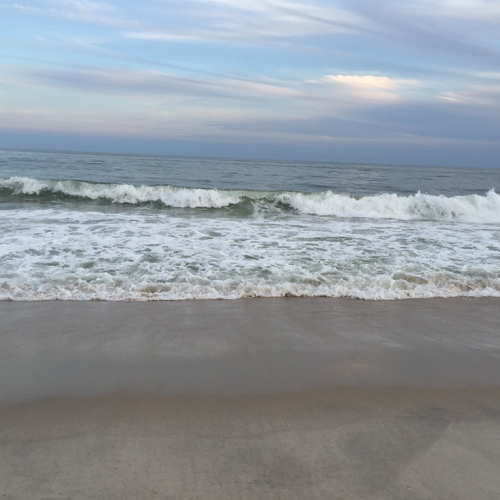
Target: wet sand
(281, 398)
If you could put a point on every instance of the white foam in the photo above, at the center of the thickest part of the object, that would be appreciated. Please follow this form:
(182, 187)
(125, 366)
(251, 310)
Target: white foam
(126, 193)
(472, 208)
(68, 254)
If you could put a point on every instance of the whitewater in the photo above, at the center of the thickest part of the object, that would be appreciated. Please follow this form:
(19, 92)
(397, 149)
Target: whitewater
(80, 234)
(472, 208)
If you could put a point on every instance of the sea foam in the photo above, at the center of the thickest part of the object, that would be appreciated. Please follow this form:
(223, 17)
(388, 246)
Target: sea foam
(77, 254)
(471, 208)
(171, 196)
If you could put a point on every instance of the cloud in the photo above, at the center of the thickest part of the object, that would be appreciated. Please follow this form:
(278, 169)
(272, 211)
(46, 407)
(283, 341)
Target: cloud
(366, 87)
(162, 36)
(84, 11)
(341, 20)
(196, 123)
(137, 83)
(128, 82)
(333, 92)
(438, 119)
(436, 29)
(480, 90)
(418, 124)
(464, 9)
(251, 20)
(368, 81)
(449, 31)
(475, 95)
(284, 70)
(150, 123)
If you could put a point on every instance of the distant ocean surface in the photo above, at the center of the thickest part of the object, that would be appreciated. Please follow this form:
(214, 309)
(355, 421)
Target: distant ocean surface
(117, 227)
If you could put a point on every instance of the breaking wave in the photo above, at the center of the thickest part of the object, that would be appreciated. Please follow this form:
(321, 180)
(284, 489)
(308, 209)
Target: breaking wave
(380, 288)
(471, 208)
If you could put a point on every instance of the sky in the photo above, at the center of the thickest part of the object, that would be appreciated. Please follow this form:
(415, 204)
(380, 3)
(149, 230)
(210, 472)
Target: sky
(386, 81)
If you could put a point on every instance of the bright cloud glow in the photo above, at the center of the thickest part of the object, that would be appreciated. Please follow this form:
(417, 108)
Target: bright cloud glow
(369, 87)
(368, 81)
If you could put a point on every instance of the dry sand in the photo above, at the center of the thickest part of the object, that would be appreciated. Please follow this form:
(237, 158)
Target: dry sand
(278, 399)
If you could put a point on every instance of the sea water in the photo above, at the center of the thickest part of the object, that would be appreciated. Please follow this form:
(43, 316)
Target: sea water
(79, 226)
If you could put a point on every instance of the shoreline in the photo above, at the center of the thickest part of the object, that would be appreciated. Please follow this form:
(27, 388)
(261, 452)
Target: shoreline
(257, 297)
(143, 297)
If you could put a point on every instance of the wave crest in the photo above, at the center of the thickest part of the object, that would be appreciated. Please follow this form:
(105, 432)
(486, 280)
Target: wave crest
(471, 208)
(170, 196)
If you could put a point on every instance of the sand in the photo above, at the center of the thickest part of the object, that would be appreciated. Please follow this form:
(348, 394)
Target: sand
(283, 399)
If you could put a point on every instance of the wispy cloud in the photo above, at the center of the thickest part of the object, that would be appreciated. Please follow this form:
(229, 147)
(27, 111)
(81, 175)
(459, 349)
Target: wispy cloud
(459, 30)
(163, 36)
(475, 95)
(248, 21)
(86, 11)
(465, 9)
(140, 82)
(342, 20)
(365, 88)
(334, 92)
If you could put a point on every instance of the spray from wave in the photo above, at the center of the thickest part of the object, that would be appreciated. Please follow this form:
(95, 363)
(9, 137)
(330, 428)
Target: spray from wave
(471, 208)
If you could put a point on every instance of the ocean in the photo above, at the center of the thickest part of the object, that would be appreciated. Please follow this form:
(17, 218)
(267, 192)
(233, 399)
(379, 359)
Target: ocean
(77, 226)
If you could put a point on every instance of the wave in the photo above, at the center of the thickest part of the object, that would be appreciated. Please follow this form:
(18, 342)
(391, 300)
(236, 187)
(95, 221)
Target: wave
(471, 208)
(364, 288)
(170, 196)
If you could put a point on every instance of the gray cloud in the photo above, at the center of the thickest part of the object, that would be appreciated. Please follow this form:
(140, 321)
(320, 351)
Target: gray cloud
(434, 37)
(303, 14)
(156, 83)
(441, 121)
(406, 122)
(128, 82)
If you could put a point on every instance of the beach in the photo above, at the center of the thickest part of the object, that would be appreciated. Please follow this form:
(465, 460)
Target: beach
(262, 398)
(249, 250)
